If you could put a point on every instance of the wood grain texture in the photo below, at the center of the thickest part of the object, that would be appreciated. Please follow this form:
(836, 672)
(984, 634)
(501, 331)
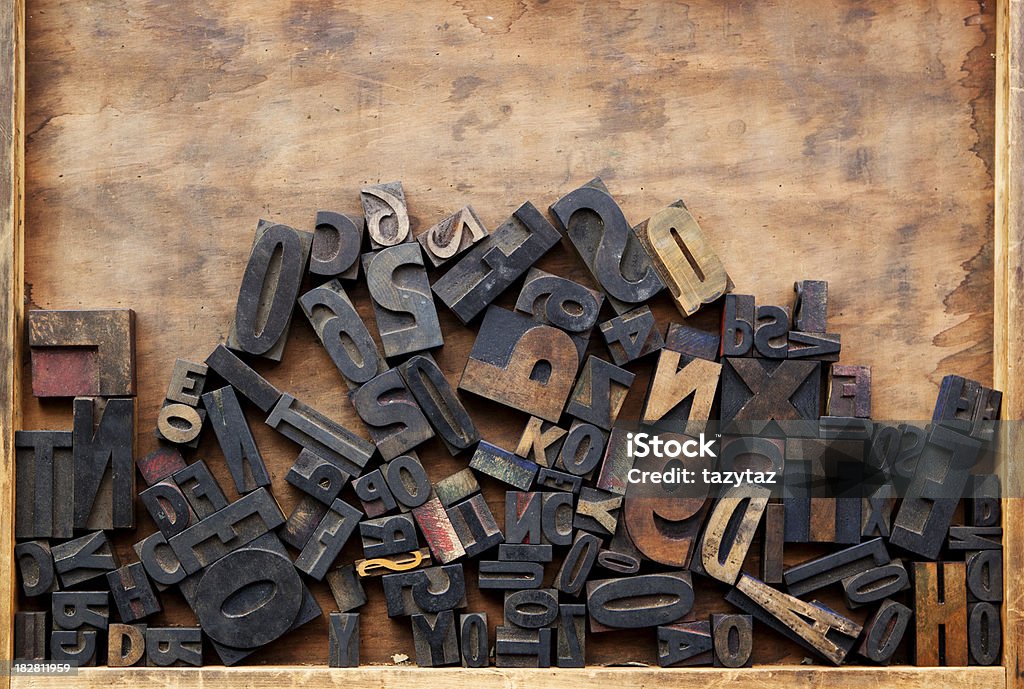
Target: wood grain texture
(158, 156)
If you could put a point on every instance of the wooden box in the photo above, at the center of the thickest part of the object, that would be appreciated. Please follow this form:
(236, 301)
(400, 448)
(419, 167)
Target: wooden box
(874, 144)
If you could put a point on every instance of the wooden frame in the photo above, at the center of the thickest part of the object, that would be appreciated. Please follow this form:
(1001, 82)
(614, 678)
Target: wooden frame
(1008, 355)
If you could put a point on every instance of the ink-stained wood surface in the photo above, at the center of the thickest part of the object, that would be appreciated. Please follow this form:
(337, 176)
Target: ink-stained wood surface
(858, 135)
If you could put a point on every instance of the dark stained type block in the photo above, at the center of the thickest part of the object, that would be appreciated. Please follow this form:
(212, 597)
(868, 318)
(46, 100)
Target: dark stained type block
(438, 401)
(76, 648)
(643, 600)
(582, 450)
(200, 489)
(302, 522)
(733, 637)
(510, 576)
(473, 640)
(326, 438)
(74, 610)
(439, 532)
(168, 507)
(337, 240)
(327, 540)
(104, 459)
(571, 640)
(132, 592)
(346, 588)
(84, 558)
(160, 464)
(35, 568)
(427, 590)
(514, 647)
(884, 631)
(30, 636)
(343, 649)
(248, 470)
(475, 526)
(162, 565)
(435, 639)
(632, 335)
(453, 235)
(174, 647)
(316, 476)
(386, 536)
(343, 333)
(685, 643)
(600, 392)
(531, 608)
(503, 465)
(402, 302)
(242, 378)
(578, 563)
(394, 419)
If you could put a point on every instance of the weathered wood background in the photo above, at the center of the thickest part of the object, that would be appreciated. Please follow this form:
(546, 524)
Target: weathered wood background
(844, 140)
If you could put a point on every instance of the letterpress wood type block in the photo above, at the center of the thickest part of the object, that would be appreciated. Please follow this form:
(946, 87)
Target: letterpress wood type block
(402, 301)
(126, 644)
(685, 644)
(814, 346)
(312, 430)
(337, 240)
(490, 267)
(644, 600)
(407, 480)
(132, 592)
(571, 636)
(400, 563)
(812, 625)
(75, 648)
(771, 332)
(180, 424)
(738, 318)
(393, 418)
(876, 512)
(35, 568)
(531, 608)
(439, 532)
(435, 639)
(522, 364)
(387, 215)
(84, 558)
(503, 465)
(580, 559)
(850, 391)
(975, 538)
(984, 634)
(617, 463)
(810, 311)
(683, 258)
(884, 631)
(248, 471)
(832, 568)
(560, 302)
(525, 552)
(328, 539)
(983, 506)
(243, 378)
(558, 480)
(510, 576)
(388, 536)
(940, 622)
(968, 407)
(237, 524)
(985, 576)
(514, 647)
(343, 333)
(599, 393)
(44, 484)
(453, 235)
(346, 588)
(733, 637)
(693, 343)
(772, 543)
(540, 442)
(168, 507)
(927, 509)
(682, 390)
(632, 335)
(200, 489)
(104, 460)
(82, 353)
(608, 245)
(174, 647)
(826, 503)
(302, 522)
(475, 526)
(597, 511)
(582, 450)
(729, 532)
(30, 636)
(442, 407)
(374, 494)
(160, 464)
(618, 562)
(270, 286)
(846, 428)
(73, 610)
(187, 381)
(162, 565)
(758, 391)
(875, 584)
(316, 477)
(457, 487)
(473, 639)
(427, 590)
(524, 517)
(343, 649)
(557, 518)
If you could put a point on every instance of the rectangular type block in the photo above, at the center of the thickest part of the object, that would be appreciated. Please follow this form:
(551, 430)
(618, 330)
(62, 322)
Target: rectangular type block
(104, 459)
(44, 484)
(82, 353)
(402, 301)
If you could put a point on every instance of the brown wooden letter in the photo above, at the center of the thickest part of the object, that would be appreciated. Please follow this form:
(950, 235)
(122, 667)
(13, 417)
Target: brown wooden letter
(632, 335)
(453, 235)
(343, 333)
(850, 391)
(387, 216)
(682, 389)
(82, 353)
(402, 302)
(939, 614)
(600, 392)
(44, 484)
(337, 240)
(439, 403)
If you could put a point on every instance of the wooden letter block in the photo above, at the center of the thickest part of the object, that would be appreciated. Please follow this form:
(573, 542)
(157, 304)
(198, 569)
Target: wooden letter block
(503, 465)
(270, 286)
(738, 325)
(621, 563)
(875, 584)
(490, 267)
(771, 332)
(580, 559)
(582, 449)
(200, 489)
(242, 378)
(540, 442)
(683, 258)
(422, 591)
(343, 648)
(337, 240)
(126, 644)
(984, 634)
(733, 637)
(525, 552)
(558, 480)
(326, 438)
(644, 600)
(453, 235)
(599, 393)
(75, 648)
(758, 391)
(168, 507)
(35, 568)
(439, 532)
(693, 343)
(374, 494)
(730, 530)
(387, 215)
(557, 518)
(975, 538)
(772, 543)
(816, 346)
(510, 576)
(343, 333)
(522, 364)
(389, 535)
(82, 353)
(84, 558)
(685, 644)
(810, 313)
(473, 640)
(457, 487)
(983, 506)
(187, 381)
(346, 588)
(328, 539)
(523, 517)
(30, 636)
(104, 459)
(824, 496)
(514, 647)
(174, 647)
(597, 511)
(632, 335)
(812, 625)
(402, 302)
(162, 565)
(850, 391)
(939, 616)
(73, 610)
(531, 608)
(44, 484)
(618, 461)
(968, 407)
(160, 464)
(682, 390)
(407, 480)
(400, 563)
(395, 422)
(180, 424)
(316, 477)
(884, 631)
(571, 645)
(442, 407)
(830, 569)
(560, 302)
(475, 526)
(132, 592)
(984, 576)
(302, 522)
(248, 471)
(607, 244)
